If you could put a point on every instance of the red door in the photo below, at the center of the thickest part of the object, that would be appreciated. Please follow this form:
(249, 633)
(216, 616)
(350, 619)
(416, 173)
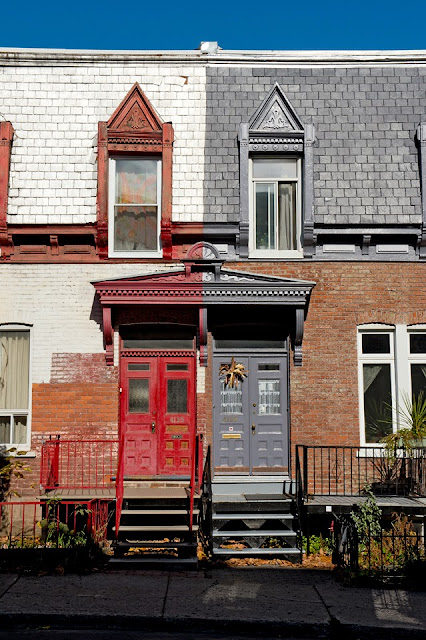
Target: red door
(158, 414)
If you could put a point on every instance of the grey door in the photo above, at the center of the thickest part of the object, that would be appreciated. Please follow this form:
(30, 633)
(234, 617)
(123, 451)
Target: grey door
(251, 420)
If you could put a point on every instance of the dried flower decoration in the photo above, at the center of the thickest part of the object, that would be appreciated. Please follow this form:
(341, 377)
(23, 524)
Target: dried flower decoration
(232, 373)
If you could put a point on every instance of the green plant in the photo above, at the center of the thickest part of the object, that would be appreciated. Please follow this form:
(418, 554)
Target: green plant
(317, 545)
(11, 467)
(412, 424)
(59, 534)
(367, 516)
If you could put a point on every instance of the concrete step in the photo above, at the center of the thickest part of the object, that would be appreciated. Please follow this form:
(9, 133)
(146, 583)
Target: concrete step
(258, 533)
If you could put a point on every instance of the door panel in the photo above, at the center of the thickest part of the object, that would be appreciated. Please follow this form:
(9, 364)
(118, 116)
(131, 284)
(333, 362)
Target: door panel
(138, 415)
(177, 410)
(158, 414)
(251, 422)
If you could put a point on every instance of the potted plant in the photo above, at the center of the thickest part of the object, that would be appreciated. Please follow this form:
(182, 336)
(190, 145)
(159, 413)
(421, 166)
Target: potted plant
(412, 425)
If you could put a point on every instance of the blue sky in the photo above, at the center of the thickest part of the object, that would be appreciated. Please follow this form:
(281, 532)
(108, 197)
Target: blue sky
(373, 24)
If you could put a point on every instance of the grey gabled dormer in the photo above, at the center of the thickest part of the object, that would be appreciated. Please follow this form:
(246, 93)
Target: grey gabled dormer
(276, 132)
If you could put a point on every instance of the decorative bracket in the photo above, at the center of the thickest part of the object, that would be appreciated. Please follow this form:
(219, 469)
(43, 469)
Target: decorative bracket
(202, 328)
(108, 335)
(6, 137)
(298, 337)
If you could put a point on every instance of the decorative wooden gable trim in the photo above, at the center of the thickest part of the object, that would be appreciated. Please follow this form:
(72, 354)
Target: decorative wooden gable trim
(204, 283)
(135, 128)
(6, 137)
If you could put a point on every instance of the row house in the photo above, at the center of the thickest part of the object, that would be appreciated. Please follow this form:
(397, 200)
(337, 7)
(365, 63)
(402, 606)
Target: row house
(212, 282)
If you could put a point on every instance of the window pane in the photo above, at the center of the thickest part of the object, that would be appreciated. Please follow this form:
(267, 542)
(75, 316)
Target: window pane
(135, 228)
(265, 216)
(278, 168)
(19, 430)
(418, 379)
(177, 367)
(136, 181)
(231, 400)
(287, 216)
(4, 429)
(268, 367)
(177, 396)
(377, 401)
(249, 344)
(375, 343)
(14, 369)
(139, 395)
(417, 342)
(269, 397)
(143, 366)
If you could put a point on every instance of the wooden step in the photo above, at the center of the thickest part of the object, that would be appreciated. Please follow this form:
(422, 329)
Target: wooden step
(252, 516)
(158, 512)
(172, 564)
(281, 551)
(254, 533)
(171, 528)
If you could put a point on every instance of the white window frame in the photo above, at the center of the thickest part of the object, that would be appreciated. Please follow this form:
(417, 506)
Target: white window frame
(22, 447)
(275, 253)
(113, 253)
(400, 360)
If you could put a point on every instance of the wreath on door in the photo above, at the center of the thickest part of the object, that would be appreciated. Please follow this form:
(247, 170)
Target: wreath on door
(233, 373)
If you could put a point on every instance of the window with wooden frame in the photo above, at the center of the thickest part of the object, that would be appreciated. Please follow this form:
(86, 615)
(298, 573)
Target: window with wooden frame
(134, 181)
(15, 396)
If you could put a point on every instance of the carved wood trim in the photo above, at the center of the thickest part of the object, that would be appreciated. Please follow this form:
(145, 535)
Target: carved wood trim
(202, 328)
(6, 137)
(108, 335)
(298, 337)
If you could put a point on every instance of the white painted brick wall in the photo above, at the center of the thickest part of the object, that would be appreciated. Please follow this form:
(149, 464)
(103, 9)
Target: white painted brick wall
(58, 301)
(55, 112)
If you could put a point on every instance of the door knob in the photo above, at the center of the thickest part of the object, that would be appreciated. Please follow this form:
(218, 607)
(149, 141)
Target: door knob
(153, 427)
(253, 428)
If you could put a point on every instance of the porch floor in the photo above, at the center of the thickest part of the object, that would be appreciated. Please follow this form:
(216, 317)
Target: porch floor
(80, 494)
(345, 504)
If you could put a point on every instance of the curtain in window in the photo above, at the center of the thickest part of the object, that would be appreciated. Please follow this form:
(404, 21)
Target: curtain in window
(14, 369)
(286, 213)
(371, 372)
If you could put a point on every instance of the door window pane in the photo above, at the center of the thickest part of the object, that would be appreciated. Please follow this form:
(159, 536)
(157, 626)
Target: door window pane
(268, 367)
(231, 399)
(177, 396)
(269, 397)
(142, 366)
(418, 380)
(177, 366)
(139, 395)
(377, 401)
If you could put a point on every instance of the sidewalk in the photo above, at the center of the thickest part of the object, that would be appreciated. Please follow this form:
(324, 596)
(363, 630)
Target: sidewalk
(290, 602)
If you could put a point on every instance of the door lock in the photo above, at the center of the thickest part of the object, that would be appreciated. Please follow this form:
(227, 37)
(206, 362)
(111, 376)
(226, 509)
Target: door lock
(153, 427)
(253, 428)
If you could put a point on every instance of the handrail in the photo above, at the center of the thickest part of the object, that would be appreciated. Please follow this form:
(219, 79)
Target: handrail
(206, 520)
(119, 485)
(77, 464)
(194, 476)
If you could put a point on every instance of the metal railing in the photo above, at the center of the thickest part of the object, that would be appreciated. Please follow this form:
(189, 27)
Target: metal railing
(196, 470)
(346, 470)
(56, 523)
(206, 519)
(78, 464)
(119, 486)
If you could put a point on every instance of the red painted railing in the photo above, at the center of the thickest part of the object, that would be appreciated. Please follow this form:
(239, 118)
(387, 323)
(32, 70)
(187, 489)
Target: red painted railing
(196, 474)
(41, 524)
(78, 464)
(119, 486)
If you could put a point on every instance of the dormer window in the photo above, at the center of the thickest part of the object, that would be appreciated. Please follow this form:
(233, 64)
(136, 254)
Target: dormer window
(134, 181)
(276, 182)
(275, 205)
(135, 205)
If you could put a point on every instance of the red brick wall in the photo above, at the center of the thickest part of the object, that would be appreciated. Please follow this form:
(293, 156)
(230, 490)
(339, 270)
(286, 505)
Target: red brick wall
(324, 391)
